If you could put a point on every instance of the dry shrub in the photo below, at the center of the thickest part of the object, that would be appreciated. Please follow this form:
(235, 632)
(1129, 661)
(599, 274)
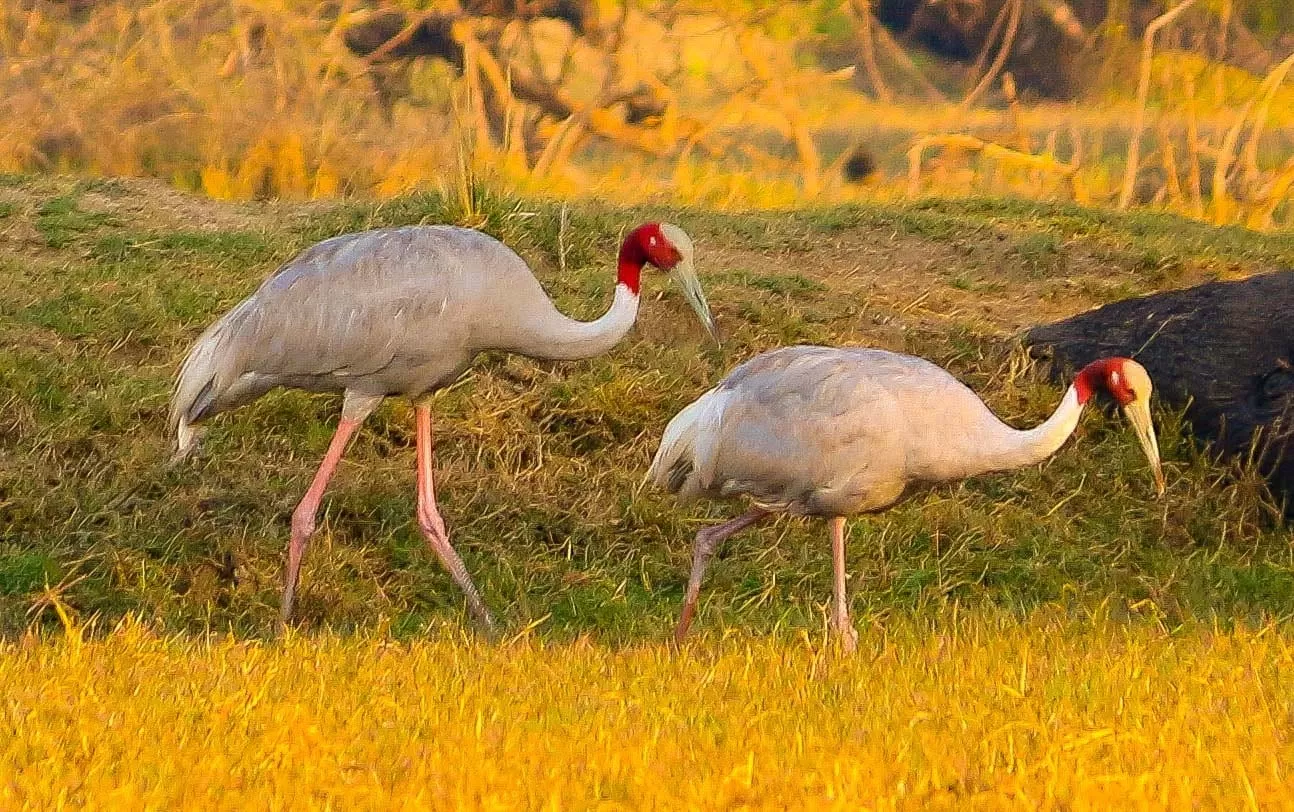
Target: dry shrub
(265, 100)
(238, 100)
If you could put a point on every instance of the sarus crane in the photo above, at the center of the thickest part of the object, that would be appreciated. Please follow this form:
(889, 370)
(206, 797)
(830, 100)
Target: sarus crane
(834, 432)
(401, 311)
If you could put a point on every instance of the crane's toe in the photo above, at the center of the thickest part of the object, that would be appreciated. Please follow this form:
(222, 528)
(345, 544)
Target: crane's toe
(848, 637)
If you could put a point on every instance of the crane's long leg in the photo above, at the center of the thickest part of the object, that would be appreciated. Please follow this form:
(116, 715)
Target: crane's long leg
(840, 611)
(303, 518)
(707, 541)
(433, 527)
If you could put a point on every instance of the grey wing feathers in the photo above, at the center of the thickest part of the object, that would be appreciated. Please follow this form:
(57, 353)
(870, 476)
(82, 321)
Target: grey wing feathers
(347, 306)
(357, 312)
(803, 429)
(803, 423)
(757, 410)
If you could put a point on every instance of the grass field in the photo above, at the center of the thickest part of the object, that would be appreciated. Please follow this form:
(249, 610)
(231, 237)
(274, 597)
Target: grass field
(1054, 635)
(986, 711)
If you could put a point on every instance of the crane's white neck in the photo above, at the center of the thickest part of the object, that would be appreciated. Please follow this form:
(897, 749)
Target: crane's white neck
(1003, 448)
(568, 339)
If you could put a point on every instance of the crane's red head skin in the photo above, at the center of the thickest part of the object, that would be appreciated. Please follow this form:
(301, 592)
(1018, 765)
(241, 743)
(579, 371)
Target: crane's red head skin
(645, 244)
(1120, 377)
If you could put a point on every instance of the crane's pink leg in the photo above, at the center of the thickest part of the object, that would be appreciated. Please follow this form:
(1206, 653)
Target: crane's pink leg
(840, 612)
(433, 527)
(707, 541)
(303, 518)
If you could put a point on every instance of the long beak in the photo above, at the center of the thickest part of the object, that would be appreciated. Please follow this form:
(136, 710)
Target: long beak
(685, 275)
(1138, 414)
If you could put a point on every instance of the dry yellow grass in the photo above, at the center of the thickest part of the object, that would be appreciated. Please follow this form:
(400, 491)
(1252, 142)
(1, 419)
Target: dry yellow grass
(263, 100)
(985, 711)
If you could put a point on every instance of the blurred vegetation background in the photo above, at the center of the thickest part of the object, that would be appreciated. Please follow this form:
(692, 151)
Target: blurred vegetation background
(1183, 106)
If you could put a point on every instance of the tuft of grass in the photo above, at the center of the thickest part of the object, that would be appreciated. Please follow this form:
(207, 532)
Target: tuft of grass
(60, 220)
(25, 572)
(1039, 254)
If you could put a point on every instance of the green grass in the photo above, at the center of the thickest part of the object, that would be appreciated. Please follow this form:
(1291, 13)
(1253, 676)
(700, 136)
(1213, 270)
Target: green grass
(60, 220)
(539, 463)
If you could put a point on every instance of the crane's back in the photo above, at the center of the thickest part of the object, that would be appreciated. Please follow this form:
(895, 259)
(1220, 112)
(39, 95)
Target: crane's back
(381, 312)
(821, 430)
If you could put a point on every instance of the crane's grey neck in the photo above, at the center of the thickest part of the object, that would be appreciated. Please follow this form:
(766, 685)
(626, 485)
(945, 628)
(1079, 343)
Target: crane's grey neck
(1002, 448)
(560, 338)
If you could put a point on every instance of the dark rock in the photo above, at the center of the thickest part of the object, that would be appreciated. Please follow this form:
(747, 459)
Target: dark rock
(860, 165)
(1223, 352)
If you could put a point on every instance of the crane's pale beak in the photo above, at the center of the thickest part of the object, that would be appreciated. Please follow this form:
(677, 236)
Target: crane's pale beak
(1138, 414)
(685, 274)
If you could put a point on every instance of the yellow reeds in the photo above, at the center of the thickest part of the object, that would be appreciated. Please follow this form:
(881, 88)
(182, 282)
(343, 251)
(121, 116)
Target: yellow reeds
(977, 708)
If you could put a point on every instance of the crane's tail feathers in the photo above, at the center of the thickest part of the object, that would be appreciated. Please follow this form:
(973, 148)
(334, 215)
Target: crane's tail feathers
(687, 448)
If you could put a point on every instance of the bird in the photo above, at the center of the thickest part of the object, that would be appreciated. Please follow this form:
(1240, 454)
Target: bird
(836, 432)
(401, 312)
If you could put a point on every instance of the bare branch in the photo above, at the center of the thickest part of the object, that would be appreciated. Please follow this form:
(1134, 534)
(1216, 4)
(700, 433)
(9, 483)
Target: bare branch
(1272, 83)
(977, 70)
(1143, 89)
(900, 56)
(867, 46)
(1008, 39)
(1226, 153)
(969, 143)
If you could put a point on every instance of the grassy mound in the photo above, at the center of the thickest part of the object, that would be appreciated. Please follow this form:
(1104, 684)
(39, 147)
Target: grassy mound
(103, 284)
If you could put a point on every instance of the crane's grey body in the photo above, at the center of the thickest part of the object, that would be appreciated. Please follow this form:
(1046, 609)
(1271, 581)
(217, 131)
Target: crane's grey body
(401, 311)
(828, 431)
(394, 311)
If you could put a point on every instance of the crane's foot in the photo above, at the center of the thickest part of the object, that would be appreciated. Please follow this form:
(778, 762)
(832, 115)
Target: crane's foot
(485, 622)
(847, 636)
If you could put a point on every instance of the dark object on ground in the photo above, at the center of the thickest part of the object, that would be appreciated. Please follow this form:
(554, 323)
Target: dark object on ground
(860, 166)
(1224, 351)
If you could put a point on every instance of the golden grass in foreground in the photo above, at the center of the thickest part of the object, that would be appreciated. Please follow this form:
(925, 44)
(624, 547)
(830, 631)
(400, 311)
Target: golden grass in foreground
(987, 711)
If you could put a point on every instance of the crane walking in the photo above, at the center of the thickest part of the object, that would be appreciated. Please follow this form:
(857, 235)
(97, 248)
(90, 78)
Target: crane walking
(820, 431)
(401, 311)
